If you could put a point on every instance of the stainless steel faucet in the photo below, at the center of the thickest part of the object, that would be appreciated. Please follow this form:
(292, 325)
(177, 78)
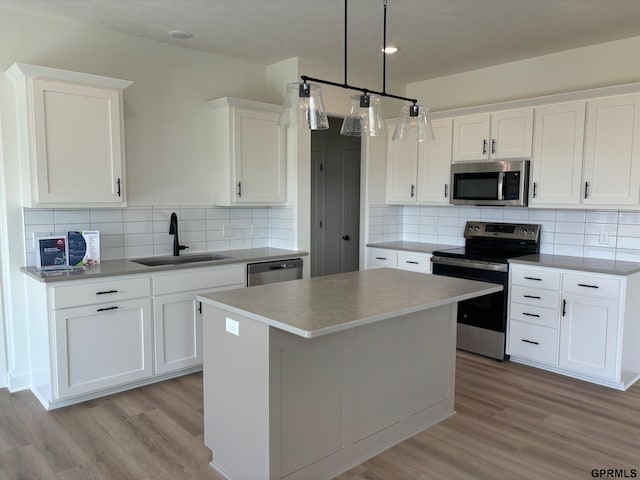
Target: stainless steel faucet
(173, 230)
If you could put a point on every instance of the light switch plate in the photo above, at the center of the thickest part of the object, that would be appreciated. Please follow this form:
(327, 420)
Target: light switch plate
(233, 327)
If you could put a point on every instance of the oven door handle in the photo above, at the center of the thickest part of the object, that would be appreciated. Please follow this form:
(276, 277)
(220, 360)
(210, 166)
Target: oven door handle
(501, 186)
(494, 267)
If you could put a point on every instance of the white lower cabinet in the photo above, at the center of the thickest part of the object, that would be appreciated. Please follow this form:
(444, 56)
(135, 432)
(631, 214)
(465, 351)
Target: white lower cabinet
(580, 324)
(404, 260)
(102, 346)
(88, 338)
(177, 316)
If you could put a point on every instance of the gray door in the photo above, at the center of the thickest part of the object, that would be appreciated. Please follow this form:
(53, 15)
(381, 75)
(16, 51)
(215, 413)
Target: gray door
(335, 201)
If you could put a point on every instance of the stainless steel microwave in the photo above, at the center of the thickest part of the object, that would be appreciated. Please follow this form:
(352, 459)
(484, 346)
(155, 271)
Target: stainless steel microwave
(502, 183)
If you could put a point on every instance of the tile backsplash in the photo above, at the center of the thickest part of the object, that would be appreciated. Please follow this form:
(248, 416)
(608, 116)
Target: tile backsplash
(607, 234)
(144, 231)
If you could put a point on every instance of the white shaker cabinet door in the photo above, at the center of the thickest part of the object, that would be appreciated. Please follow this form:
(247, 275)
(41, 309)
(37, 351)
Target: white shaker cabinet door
(402, 168)
(511, 134)
(612, 151)
(471, 137)
(434, 164)
(588, 335)
(557, 154)
(78, 137)
(102, 346)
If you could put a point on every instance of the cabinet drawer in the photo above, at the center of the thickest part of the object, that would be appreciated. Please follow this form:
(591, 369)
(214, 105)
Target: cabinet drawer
(91, 293)
(199, 279)
(533, 342)
(545, 317)
(383, 258)
(415, 262)
(535, 296)
(535, 278)
(591, 286)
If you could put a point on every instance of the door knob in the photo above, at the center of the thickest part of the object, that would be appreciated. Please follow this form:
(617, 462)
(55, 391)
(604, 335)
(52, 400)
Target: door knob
(346, 237)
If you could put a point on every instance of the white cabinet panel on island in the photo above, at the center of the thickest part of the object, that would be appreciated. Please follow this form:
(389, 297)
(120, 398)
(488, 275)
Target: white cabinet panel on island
(580, 324)
(71, 136)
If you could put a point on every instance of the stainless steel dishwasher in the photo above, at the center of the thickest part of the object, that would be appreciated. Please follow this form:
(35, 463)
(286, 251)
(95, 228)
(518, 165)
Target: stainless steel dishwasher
(274, 271)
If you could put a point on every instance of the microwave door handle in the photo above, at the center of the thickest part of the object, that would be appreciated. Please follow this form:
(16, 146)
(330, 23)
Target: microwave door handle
(501, 186)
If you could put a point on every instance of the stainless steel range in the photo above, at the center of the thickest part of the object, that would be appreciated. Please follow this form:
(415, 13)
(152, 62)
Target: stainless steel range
(488, 247)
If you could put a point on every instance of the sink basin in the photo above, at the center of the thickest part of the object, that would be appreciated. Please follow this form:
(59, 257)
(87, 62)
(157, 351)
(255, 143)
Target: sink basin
(171, 260)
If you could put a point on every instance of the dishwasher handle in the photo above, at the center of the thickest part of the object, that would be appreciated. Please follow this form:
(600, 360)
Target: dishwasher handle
(274, 271)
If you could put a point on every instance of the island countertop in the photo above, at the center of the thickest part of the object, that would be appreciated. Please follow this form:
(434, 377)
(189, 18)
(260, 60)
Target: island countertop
(322, 305)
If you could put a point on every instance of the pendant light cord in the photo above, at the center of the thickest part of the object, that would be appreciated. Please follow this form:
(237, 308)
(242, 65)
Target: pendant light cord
(365, 91)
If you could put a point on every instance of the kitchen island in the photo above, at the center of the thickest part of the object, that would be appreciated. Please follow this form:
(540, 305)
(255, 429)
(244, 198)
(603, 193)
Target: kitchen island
(305, 379)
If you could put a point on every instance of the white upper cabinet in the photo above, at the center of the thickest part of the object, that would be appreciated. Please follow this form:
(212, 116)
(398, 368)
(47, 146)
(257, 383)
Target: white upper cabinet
(557, 154)
(587, 156)
(249, 153)
(493, 136)
(434, 164)
(71, 136)
(420, 172)
(402, 168)
(612, 151)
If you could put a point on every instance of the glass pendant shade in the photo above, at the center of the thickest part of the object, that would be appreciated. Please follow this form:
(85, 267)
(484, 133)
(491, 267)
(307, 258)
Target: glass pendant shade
(414, 124)
(303, 107)
(364, 117)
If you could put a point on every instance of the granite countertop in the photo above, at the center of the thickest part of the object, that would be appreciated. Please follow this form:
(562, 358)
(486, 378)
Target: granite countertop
(596, 265)
(111, 268)
(319, 306)
(412, 246)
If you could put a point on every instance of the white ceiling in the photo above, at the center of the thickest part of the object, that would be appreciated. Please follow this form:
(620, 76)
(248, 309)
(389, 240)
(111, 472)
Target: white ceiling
(436, 37)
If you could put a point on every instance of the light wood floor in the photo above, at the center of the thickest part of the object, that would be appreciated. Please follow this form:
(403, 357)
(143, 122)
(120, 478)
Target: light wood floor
(512, 422)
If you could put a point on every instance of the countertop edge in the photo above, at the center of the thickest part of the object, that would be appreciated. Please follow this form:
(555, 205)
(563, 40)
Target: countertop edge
(347, 325)
(587, 264)
(416, 247)
(129, 267)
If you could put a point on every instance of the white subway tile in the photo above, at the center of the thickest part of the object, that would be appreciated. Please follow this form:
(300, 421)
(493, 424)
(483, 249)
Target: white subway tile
(628, 243)
(449, 231)
(429, 237)
(569, 239)
(411, 237)
(373, 238)
(135, 240)
(448, 221)
(376, 229)
(38, 230)
(569, 227)
(409, 229)
(38, 216)
(448, 240)
(218, 245)
(542, 215)
(570, 216)
(162, 249)
(627, 255)
(137, 214)
(428, 229)
(72, 216)
(432, 221)
(240, 243)
(376, 211)
(99, 215)
(138, 227)
(632, 218)
(594, 241)
(163, 214)
(217, 224)
(596, 228)
(259, 242)
(115, 253)
(600, 252)
(261, 222)
(241, 212)
(491, 214)
(195, 247)
(192, 213)
(30, 259)
(428, 211)
(376, 220)
(516, 214)
(215, 235)
(546, 248)
(625, 230)
(259, 212)
(162, 239)
(108, 228)
(448, 211)
(111, 241)
(63, 228)
(411, 210)
(602, 216)
(193, 225)
(217, 213)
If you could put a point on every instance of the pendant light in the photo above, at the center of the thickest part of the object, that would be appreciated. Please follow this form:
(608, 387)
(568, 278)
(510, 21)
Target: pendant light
(304, 108)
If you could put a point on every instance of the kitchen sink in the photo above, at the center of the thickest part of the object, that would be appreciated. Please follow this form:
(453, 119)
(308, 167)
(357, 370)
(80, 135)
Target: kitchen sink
(171, 260)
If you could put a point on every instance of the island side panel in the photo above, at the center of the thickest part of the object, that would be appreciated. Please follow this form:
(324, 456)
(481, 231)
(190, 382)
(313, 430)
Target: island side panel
(236, 395)
(398, 379)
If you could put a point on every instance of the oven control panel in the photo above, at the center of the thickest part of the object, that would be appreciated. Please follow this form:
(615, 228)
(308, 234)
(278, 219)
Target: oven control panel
(512, 231)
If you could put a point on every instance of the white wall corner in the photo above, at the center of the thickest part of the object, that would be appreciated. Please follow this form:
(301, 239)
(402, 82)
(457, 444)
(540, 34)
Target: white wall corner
(278, 76)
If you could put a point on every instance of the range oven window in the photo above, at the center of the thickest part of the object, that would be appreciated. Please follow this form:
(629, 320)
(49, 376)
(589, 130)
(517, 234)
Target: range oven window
(476, 186)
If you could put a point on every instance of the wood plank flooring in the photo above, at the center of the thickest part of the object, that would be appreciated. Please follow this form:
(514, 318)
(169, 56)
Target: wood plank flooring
(512, 422)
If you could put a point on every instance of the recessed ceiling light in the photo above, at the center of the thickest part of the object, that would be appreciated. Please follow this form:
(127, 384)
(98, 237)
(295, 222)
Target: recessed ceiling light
(180, 35)
(390, 49)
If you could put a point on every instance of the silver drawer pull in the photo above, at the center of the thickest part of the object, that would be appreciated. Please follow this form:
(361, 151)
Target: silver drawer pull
(533, 278)
(532, 296)
(104, 292)
(588, 286)
(381, 258)
(412, 262)
(530, 341)
(531, 314)
(104, 309)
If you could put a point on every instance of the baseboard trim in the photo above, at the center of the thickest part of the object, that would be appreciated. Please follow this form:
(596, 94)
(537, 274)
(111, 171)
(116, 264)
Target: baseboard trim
(16, 383)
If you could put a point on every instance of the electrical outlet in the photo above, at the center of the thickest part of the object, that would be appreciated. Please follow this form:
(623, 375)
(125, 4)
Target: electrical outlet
(604, 237)
(37, 235)
(233, 327)
(227, 231)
